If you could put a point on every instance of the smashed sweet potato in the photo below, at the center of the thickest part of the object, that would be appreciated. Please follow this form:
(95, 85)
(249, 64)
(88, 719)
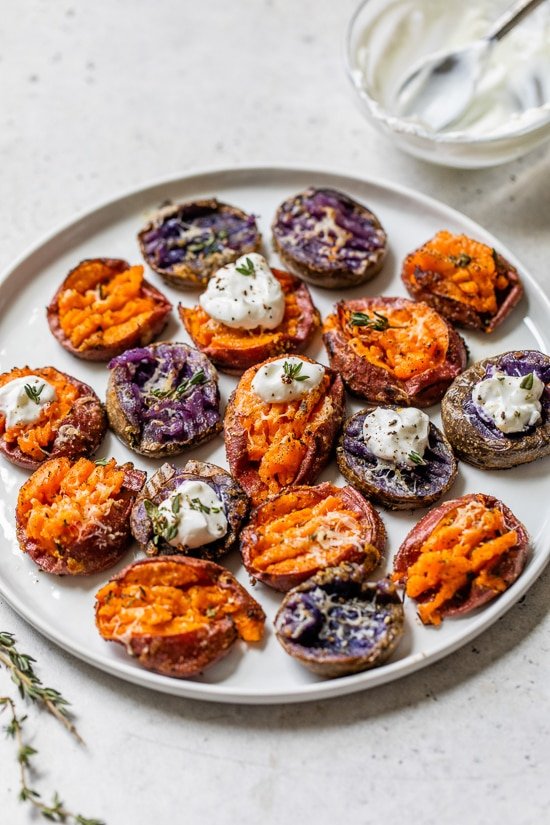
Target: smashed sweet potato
(303, 530)
(393, 351)
(272, 445)
(73, 424)
(177, 615)
(460, 556)
(103, 307)
(235, 350)
(465, 280)
(75, 517)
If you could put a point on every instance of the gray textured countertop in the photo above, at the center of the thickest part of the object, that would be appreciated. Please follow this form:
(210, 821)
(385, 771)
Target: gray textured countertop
(100, 97)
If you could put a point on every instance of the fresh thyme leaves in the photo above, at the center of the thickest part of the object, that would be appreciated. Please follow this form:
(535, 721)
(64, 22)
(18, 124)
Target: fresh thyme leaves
(527, 382)
(196, 504)
(102, 462)
(34, 392)
(30, 687)
(163, 528)
(293, 372)
(56, 811)
(380, 323)
(182, 389)
(416, 458)
(246, 268)
(461, 261)
(29, 684)
(176, 504)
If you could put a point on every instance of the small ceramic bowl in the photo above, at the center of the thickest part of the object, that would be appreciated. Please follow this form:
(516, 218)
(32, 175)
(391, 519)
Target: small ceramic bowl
(386, 37)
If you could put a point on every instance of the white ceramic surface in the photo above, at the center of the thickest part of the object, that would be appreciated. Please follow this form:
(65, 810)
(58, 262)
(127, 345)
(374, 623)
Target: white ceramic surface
(63, 608)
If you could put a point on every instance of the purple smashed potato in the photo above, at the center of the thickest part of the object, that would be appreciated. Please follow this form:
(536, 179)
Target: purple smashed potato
(397, 488)
(337, 623)
(186, 243)
(328, 239)
(474, 436)
(164, 482)
(163, 398)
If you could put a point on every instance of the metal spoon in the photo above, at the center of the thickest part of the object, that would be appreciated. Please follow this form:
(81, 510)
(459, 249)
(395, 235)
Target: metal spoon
(438, 89)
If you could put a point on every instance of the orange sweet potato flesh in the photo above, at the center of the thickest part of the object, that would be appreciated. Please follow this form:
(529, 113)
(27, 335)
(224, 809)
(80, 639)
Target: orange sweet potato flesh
(177, 615)
(235, 350)
(72, 424)
(104, 307)
(461, 555)
(303, 530)
(74, 517)
(270, 446)
(411, 361)
(467, 281)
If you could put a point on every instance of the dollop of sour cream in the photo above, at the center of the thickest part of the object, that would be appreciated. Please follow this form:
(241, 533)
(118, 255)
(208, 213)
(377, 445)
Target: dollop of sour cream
(510, 401)
(286, 379)
(23, 406)
(195, 514)
(245, 295)
(396, 435)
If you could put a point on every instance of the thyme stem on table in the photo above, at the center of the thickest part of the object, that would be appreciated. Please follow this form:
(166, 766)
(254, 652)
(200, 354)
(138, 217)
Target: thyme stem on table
(30, 687)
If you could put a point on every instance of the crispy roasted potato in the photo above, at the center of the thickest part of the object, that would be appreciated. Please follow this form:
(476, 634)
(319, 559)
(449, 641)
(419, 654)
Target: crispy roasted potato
(187, 242)
(74, 517)
(103, 307)
(72, 424)
(302, 530)
(235, 350)
(337, 622)
(272, 445)
(476, 439)
(466, 281)
(461, 555)
(393, 351)
(163, 399)
(166, 481)
(177, 615)
(328, 239)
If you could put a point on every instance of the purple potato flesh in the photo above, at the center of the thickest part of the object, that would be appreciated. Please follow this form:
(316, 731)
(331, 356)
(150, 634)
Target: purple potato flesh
(395, 487)
(163, 398)
(337, 623)
(186, 243)
(475, 437)
(164, 482)
(327, 238)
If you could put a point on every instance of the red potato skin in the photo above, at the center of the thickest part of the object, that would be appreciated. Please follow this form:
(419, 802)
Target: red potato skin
(461, 313)
(97, 549)
(187, 654)
(375, 534)
(366, 380)
(235, 362)
(509, 567)
(79, 434)
(140, 338)
(322, 437)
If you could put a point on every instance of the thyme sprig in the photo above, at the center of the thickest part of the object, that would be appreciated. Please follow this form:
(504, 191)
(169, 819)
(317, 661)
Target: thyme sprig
(34, 392)
(56, 811)
(416, 458)
(247, 268)
(293, 372)
(196, 504)
(29, 685)
(527, 382)
(380, 323)
(164, 529)
(461, 261)
(182, 389)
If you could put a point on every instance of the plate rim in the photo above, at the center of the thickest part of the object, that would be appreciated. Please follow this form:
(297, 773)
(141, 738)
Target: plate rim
(218, 692)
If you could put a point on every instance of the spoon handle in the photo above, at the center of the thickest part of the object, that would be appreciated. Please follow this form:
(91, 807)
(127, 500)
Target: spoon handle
(511, 18)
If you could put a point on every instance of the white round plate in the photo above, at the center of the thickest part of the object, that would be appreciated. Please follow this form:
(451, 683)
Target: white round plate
(62, 608)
